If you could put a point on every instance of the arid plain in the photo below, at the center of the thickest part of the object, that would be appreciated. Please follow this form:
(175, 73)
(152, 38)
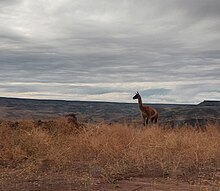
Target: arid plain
(101, 150)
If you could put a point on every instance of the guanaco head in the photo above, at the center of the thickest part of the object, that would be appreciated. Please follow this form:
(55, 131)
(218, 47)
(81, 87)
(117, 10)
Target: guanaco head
(136, 96)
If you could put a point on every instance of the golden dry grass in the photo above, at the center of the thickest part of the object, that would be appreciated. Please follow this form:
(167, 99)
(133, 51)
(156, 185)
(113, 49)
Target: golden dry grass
(109, 152)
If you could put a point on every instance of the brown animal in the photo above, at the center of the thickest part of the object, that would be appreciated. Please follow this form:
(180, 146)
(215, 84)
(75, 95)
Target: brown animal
(148, 113)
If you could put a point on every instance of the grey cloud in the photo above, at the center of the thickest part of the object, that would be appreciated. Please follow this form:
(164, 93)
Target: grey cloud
(159, 91)
(201, 9)
(110, 42)
(8, 2)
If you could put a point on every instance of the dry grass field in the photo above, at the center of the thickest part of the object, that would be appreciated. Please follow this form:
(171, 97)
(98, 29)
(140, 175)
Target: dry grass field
(60, 156)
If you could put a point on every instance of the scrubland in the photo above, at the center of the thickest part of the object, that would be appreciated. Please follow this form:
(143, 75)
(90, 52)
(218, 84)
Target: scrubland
(89, 155)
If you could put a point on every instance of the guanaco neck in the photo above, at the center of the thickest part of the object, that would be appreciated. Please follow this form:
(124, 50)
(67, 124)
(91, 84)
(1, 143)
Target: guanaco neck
(140, 102)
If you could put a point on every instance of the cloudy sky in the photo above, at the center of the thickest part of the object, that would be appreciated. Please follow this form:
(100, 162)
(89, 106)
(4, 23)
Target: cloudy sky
(106, 50)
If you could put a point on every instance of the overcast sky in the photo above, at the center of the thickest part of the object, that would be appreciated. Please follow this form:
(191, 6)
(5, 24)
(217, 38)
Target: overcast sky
(107, 50)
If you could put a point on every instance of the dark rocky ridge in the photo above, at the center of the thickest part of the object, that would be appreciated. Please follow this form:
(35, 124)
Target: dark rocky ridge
(210, 103)
(175, 114)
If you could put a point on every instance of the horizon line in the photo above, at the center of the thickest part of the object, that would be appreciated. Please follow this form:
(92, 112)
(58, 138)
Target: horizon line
(100, 101)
